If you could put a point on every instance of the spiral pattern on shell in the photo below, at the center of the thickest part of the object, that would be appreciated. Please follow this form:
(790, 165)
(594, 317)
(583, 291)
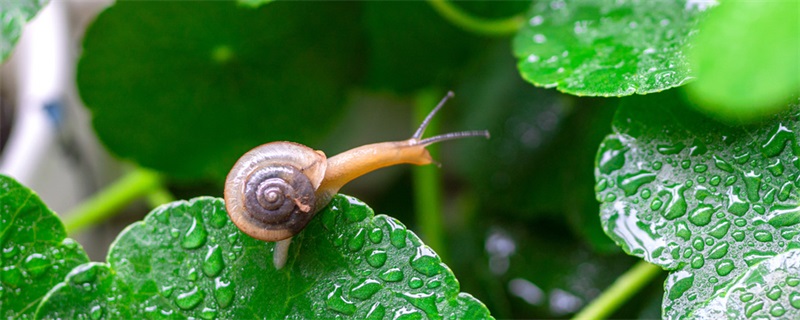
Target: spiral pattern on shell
(270, 192)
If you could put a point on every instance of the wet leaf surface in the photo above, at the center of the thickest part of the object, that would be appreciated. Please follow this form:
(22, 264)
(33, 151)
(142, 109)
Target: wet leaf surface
(36, 255)
(702, 199)
(187, 259)
(607, 48)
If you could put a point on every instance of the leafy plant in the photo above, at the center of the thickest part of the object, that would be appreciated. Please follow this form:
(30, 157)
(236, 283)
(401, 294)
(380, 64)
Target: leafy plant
(701, 183)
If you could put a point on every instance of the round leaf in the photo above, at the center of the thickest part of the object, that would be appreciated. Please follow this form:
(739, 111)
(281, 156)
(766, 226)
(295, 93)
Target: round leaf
(698, 197)
(609, 47)
(188, 87)
(188, 259)
(763, 34)
(36, 254)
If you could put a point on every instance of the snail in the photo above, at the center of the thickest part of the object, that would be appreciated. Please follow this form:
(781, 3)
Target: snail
(275, 189)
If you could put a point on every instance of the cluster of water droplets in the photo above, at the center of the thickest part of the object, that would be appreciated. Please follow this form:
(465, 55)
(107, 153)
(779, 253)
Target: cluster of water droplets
(707, 204)
(606, 48)
(382, 284)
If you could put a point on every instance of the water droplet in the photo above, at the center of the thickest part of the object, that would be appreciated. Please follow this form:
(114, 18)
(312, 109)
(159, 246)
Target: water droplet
(392, 275)
(218, 217)
(701, 215)
(769, 198)
(784, 215)
(666, 149)
(745, 297)
(698, 244)
(189, 299)
(730, 180)
(357, 211)
(657, 165)
(36, 264)
(682, 231)
(753, 307)
(425, 302)
(208, 313)
(366, 289)
(397, 233)
(794, 299)
(720, 229)
(777, 310)
(698, 261)
(762, 236)
(426, 262)
(738, 235)
(741, 158)
(685, 164)
(714, 181)
(433, 284)
(415, 283)
(774, 293)
(785, 191)
(213, 263)
(788, 234)
(356, 242)
(776, 168)
(718, 251)
(678, 283)
(723, 165)
(645, 193)
(631, 182)
(612, 156)
(96, 312)
(724, 267)
(377, 258)
(376, 235)
(223, 292)
(376, 312)
(195, 237)
(192, 275)
(676, 206)
(166, 290)
(610, 197)
(752, 183)
(337, 303)
(777, 141)
(601, 185)
(656, 204)
(11, 276)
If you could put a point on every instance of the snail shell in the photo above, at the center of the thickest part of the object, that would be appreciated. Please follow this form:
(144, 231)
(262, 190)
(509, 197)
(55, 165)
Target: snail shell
(270, 192)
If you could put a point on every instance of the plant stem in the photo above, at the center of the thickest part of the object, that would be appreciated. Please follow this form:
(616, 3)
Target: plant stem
(460, 18)
(108, 201)
(620, 291)
(427, 182)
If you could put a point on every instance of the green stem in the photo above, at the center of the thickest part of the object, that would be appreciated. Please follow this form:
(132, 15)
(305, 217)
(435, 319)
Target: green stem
(620, 291)
(427, 182)
(108, 201)
(458, 17)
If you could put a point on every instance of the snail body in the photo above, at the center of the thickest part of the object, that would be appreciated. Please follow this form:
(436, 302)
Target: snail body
(275, 189)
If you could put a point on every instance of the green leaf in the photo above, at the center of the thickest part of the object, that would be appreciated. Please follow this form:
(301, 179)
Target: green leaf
(14, 14)
(760, 68)
(766, 290)
(253, 3)
(187, 259)
(609, 47)
(411, 47)
(702, 199)
(188, 87)
(36, 254)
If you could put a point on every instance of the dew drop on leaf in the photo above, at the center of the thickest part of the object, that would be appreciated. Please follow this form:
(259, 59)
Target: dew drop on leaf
(376, 235)
(377, 258)
(208, 313)
(777, 310)
(223, 292)
(701, 215)
(195, 236)
(667, 149)
(392, 275)
(397, 233)
(753, 307)
(337, 303)
(189, 299)
(376, 312)
(774, 293)
(425, 302)
(36, 264)
(366, 289)
(415, 283)
(777, 141)
(724, 267)
(794, 299)
(356, 242)
(762, 236)
(426, 262)
(213, 263)
(698, 261)
(631, 182)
